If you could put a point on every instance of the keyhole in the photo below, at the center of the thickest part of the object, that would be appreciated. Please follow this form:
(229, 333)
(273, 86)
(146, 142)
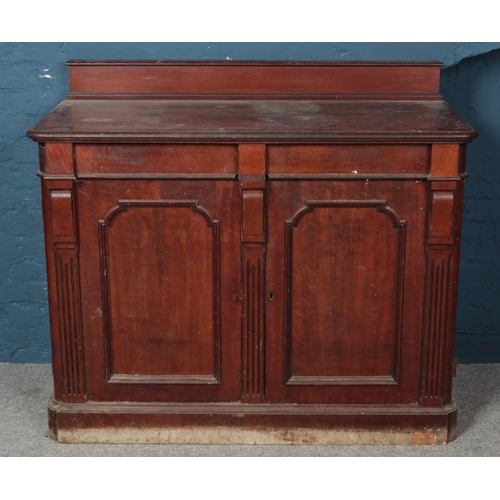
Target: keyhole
(271, 296)
(235, 296)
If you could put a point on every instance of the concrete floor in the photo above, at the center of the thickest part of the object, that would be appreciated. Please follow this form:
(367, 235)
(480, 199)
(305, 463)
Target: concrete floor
(26, 388)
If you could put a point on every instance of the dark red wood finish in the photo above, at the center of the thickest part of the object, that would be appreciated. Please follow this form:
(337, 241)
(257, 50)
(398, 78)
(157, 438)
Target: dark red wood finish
(256, 79)
(161, 304)
(262, 121)
(252, 252)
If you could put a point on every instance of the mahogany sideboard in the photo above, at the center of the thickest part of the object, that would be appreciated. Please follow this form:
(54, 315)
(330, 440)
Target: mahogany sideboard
(252, 252)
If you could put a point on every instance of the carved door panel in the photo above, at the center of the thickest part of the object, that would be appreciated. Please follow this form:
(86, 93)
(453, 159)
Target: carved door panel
(345, 298)
(160, 274)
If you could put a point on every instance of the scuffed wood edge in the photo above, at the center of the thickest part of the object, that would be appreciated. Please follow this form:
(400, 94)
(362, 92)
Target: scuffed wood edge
(232, 435)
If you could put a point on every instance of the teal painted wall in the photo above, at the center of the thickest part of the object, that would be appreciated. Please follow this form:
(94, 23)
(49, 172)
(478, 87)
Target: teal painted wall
(33, 79)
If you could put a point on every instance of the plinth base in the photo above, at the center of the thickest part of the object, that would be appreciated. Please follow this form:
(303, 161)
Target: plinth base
(236, 423)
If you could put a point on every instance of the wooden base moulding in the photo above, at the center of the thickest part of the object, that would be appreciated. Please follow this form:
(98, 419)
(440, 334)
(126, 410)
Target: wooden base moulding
(250, 423)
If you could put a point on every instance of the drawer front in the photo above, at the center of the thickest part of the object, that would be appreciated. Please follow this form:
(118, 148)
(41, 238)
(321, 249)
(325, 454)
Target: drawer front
(141, 159)
(348, 159)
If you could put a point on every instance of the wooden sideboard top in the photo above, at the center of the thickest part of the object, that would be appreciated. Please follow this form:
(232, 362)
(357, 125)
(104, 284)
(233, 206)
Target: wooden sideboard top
(234, 121)
(245, 101)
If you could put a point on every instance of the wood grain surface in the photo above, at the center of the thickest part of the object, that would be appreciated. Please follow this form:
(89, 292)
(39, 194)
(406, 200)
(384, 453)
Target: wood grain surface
(234, 121)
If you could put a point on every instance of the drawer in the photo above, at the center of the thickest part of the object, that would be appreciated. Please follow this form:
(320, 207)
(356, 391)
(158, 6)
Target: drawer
(349, 159)
(124, 160)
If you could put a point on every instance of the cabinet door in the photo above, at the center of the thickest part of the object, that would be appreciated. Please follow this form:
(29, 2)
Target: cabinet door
(160, 289)
(345, 274)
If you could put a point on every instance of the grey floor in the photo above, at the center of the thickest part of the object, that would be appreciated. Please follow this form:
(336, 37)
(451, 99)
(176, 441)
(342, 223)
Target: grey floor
(25, 390)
